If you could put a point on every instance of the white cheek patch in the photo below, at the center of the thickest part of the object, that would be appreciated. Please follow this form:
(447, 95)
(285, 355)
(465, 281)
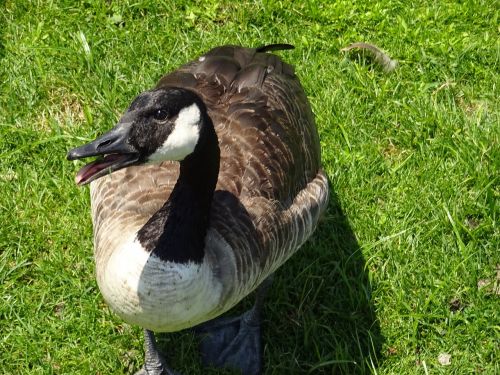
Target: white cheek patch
(183, 139)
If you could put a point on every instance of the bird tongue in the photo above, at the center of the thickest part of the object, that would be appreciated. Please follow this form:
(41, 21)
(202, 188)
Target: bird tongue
(96, 166)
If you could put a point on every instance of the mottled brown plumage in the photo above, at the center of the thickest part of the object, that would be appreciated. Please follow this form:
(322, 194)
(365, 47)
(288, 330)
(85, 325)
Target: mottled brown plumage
(270, 190)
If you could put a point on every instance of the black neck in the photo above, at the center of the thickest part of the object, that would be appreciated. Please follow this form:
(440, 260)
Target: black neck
(177, 231)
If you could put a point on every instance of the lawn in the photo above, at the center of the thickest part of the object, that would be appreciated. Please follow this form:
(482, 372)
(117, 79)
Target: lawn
(404, 268)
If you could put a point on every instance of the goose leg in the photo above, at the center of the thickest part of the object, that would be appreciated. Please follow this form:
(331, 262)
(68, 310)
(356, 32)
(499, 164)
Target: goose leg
(154, 363)
(235, 342)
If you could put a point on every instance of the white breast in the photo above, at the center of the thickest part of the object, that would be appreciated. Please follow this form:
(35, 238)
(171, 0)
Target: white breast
(158, 295)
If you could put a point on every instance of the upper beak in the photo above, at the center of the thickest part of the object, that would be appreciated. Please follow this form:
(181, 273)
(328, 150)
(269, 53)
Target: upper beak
(112, 142)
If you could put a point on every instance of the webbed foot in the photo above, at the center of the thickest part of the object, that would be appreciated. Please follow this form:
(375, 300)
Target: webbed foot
(157, 371)
(232, 343)
(235, 342)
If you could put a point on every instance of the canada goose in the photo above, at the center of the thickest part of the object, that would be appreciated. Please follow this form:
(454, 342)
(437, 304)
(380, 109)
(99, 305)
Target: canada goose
(208, 183)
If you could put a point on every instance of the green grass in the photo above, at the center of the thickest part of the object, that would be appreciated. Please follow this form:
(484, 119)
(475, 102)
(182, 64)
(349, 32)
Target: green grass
(389, 281)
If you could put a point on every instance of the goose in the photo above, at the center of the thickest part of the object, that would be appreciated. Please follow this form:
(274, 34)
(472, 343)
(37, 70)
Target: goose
(207, 184)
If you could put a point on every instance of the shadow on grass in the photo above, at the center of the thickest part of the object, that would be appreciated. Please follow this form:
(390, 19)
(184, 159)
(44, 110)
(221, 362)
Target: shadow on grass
(341, 333)
(322, 318)
(319, 317)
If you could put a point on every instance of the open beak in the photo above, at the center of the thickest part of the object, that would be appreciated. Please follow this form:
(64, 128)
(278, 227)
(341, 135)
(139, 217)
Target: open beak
(116, 154)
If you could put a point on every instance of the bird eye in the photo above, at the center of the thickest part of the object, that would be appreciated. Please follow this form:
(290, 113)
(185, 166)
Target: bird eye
(160, 115)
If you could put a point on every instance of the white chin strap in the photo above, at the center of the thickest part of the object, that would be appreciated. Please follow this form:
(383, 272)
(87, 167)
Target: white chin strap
(183, 139)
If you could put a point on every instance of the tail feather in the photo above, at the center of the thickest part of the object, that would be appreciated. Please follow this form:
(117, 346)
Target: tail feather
(274, 47)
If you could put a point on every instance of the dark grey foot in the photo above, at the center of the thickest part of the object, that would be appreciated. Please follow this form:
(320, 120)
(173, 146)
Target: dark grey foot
(164, 371)
(232, 343)
(156, 371)
(235, 342)
(154, 363)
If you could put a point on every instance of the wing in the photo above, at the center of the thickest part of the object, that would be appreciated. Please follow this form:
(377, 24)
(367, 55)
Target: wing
(268, 139)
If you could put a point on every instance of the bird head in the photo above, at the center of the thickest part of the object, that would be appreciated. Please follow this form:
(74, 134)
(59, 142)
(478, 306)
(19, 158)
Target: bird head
(161, 124)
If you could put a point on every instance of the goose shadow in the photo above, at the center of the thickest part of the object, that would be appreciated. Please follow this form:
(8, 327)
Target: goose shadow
(319, 317)
(326, 309)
